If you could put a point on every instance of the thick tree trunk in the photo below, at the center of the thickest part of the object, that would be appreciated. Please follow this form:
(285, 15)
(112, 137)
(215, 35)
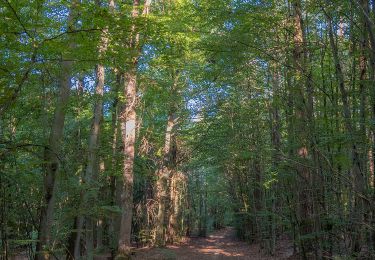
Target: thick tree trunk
(175, 207)
(128, 133)
(128, 126)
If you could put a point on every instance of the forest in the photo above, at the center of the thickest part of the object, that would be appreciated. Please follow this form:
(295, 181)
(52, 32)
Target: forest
(134, 129)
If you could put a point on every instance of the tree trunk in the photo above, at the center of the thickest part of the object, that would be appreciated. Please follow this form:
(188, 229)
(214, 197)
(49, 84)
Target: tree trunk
(75, 237)
(128, 126)
(176, 196)
(302, 77)
(128, 130)
(51, 154)
(91, 172)
(115, 182)
(357, 165)
(276, 155)
(371, 32)
(163, 177)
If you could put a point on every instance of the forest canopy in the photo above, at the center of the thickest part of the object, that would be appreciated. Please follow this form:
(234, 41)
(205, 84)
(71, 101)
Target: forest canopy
(133, 123)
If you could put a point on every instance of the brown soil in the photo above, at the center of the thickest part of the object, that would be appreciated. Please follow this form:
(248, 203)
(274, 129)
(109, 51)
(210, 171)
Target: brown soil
(221, 244)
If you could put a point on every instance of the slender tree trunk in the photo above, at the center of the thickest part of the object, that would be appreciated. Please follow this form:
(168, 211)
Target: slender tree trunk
(3, 205)
(51, 164)
(91, 172)
(51, 157)
(276, 155)
(371, 32)
(302, 78)
(162, 183)
(75, 237)
(99, 233)
(357, 165)
(258, 198)
(370, 29)
(115, 184)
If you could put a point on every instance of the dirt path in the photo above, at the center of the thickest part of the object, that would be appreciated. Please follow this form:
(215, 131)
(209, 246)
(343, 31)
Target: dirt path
(221, 244)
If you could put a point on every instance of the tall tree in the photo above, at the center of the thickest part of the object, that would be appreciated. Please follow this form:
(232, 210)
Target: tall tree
(302, 109)
(52, 151)
(91, 173)
(165, 170)
(128, 129)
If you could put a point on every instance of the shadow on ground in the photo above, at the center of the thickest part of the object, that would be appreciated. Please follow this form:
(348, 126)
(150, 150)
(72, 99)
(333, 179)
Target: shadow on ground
(221, 244)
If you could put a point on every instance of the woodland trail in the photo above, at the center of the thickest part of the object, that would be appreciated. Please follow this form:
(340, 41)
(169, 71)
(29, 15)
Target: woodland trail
(221, 244)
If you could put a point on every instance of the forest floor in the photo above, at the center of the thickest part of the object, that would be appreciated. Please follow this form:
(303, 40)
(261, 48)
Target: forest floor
(221, 244)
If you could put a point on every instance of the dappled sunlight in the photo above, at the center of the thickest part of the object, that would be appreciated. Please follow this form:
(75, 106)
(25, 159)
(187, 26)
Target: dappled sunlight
(173, 247)
(217, 236)
(222, 244)
(217, 251)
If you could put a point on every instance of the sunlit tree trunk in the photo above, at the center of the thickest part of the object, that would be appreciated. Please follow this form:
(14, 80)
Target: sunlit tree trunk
(128, 125)
(128, 132)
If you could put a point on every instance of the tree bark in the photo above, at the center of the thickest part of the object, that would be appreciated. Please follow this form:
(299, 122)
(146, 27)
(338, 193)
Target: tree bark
(276, 154)
(51, 157)
(128, 130)
(128, 125)
(91, 171)
(115, 184)
(174, 226)
(163, 177)
(302, 110)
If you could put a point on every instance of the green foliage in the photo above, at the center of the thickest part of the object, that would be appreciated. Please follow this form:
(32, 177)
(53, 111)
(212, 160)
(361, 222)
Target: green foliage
(229, 71)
